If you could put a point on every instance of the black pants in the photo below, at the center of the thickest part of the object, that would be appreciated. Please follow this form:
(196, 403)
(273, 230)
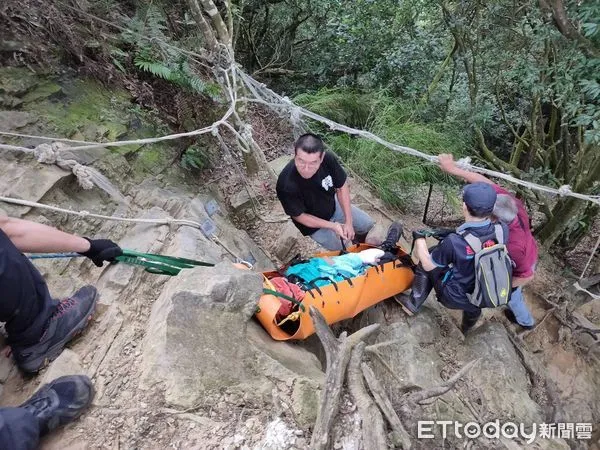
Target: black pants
(436, 277)
(25, 302)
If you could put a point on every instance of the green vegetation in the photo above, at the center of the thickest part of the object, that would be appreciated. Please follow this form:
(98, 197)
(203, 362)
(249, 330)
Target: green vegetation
(391, 174)
(512, 84)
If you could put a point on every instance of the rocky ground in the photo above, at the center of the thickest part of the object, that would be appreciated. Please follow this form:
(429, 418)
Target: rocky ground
(180, 363)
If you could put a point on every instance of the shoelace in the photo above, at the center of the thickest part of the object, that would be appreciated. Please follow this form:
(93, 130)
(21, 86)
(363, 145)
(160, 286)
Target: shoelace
(39, 405)
(63, 307)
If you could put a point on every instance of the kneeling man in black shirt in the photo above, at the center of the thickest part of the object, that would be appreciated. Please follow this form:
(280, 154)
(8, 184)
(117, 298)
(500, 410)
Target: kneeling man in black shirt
(313, 191)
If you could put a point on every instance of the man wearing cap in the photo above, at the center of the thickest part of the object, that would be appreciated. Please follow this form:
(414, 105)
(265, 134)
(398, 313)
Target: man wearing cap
(521, 244)
(449, 267)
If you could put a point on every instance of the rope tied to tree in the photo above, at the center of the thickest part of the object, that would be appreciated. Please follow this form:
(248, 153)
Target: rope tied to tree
(246, 132)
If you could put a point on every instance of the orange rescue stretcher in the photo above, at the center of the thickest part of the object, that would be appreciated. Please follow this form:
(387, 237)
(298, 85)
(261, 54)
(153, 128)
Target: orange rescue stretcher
(337, 301)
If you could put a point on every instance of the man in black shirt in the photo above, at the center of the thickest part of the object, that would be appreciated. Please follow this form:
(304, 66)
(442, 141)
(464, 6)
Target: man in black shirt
(313, 191)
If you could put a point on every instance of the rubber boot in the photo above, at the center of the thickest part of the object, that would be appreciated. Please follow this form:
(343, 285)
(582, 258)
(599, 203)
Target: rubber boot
(393, 235)
(360, 238)
(421, 287)
(467, 323)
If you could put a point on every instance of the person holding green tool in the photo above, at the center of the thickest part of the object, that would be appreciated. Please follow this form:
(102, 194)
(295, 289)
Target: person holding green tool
(39, 327)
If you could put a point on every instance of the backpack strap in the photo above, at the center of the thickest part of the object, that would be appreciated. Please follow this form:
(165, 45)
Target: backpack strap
(473, 241)
(499, 231)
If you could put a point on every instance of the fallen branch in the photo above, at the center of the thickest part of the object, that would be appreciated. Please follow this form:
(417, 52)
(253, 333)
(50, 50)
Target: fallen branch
(337, 353)
(419, 397)
(373, 428)
(538, 325)
(401, 436)
(539, 380)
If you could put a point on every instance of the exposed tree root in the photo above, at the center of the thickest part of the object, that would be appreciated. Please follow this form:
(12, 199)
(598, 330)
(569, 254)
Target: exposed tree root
(344, 361)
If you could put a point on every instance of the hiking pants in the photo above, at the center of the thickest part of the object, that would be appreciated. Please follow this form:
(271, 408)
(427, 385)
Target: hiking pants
(26, 304)
(519, 308)
(19, 429)
(470, 311)
(328, 239)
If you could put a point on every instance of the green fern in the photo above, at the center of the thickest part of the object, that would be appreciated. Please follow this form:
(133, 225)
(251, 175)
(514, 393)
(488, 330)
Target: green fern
(153, 53)
(155, 68)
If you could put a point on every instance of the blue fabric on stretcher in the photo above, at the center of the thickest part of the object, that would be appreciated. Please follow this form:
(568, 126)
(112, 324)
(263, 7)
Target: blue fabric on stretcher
(349, 265)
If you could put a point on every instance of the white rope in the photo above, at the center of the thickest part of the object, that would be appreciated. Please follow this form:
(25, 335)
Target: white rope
(16, 147)
(43, 138)
(590, 258)
(275, 101)
(577, 286)
(168, 137)
(165, 221)
(87, 177)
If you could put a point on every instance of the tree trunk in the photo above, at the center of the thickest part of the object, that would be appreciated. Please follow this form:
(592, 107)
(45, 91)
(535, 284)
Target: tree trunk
(217, 21)
(209, 36)
(436, 79)
(567, 211)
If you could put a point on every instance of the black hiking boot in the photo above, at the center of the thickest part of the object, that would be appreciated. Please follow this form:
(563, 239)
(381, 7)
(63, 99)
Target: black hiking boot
(63, 400)
(69, 319)
(421, 287)
(511, 317)
(467, 323)
(360, 238)
(393, 235)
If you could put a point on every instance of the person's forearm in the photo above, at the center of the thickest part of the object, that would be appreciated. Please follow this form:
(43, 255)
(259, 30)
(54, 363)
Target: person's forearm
(469, 177)
(311, 221)
(422, 253)
(343, 195)
(30, 236)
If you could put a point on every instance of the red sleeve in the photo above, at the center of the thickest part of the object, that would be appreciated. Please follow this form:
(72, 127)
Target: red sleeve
(501, 190)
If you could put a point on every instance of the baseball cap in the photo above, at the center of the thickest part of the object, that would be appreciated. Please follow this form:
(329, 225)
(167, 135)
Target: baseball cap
(480, 198)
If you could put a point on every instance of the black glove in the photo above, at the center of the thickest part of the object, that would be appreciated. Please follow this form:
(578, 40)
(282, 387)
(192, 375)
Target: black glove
(442, 233)
(420, 234)
(438, 233)
(102, 250)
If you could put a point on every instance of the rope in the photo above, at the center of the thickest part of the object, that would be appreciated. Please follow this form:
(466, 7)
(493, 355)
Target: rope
(590, 258)
(8, 133)
(275, 101)
(166, 221)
